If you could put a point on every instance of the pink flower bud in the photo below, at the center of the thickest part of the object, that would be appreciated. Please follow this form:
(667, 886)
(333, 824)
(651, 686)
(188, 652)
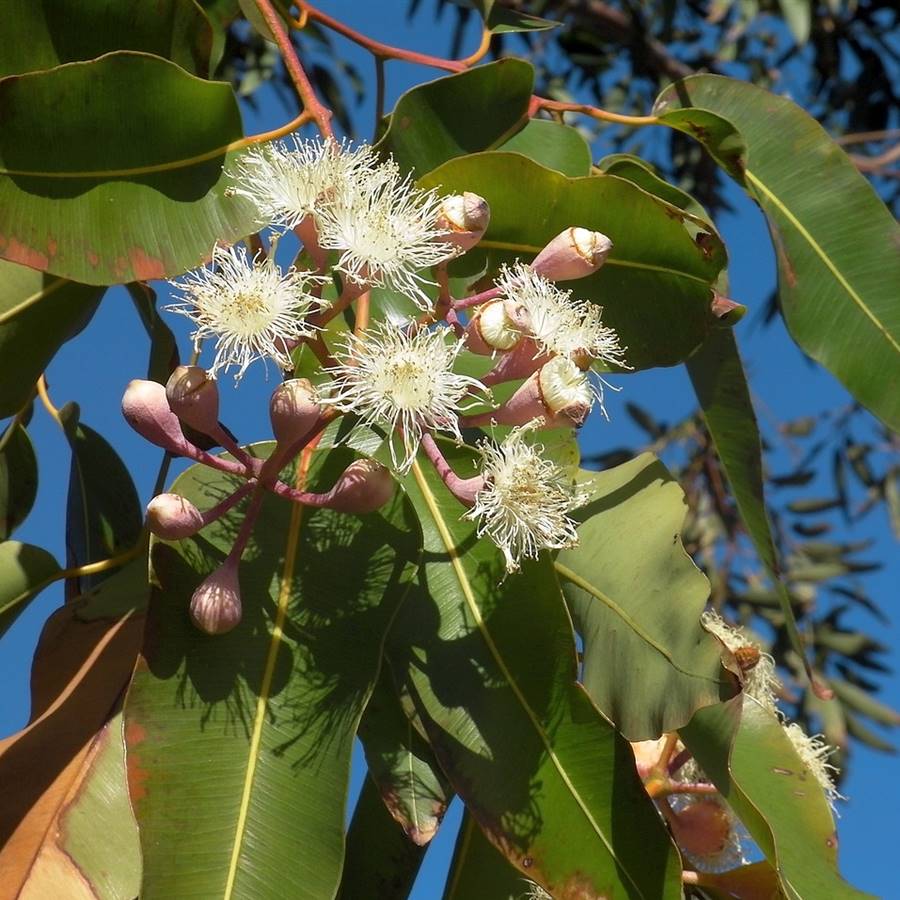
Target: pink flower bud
(492, 329)
(363, 487)
(573, 253)
(466, 217)
(194, 397)
(172, 517)
(146, 410)
(216, 604)
(293, 410)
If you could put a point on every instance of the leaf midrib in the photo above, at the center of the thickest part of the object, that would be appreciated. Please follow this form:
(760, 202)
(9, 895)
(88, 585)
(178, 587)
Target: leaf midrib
(474, 609)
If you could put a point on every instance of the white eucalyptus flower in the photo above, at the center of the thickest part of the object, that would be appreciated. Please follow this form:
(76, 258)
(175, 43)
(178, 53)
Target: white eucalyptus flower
(402, 379)
(249, 306)
(815, 752)
(759, 678)
(288, 182)
(549, 315)
(386, 231)
(524, 504)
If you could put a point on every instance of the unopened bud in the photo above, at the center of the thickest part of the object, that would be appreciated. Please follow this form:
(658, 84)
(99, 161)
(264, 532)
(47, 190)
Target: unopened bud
(216, 604)
(702, 828)
(465, 217)
(146, 410)
(574, 253)
(293, 410)
(172, 517)
(363, 487)
(492, 329)
(565, 389)
(194, 397)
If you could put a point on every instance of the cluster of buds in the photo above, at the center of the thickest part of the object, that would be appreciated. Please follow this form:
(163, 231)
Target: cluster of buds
(710, 836)
(362, 224)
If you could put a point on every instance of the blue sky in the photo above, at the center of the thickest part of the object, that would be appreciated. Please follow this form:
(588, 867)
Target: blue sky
(94, 370)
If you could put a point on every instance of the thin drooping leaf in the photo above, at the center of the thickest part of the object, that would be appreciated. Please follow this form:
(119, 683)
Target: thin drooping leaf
(18, 478)
(85, 198)
(746, 752)
(636, 599)
(246, 737)
(500, 19)
(401, 764)
(103, 512)
(717, 375)
(489, 663)
(49, 815)
(381, 861)
(835, 241)
(24, 571)
(478, 870)
(41, 36)
(163, 347)
(459, 114)
(38, 313)
(656, 287)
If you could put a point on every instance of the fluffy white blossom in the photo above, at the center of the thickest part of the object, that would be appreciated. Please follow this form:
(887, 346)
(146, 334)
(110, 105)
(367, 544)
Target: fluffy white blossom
(288, 182)
(401, 379)
(815, 752)
(549, 315)
(525, 501)
(249, 306)
(760, 680)
(386, 231)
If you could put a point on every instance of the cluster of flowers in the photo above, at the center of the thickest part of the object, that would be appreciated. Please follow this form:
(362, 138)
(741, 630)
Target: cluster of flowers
(362, 225)
(703, 824)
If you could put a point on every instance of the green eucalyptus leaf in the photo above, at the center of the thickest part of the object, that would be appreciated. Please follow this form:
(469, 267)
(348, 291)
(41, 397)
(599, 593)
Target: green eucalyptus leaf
(488, 661)
(38, 313)
(401, 764)
(717, 375)
(459, 114)
(18, 479)
(478, 870)
(44, 35)
(103, 512)
(24, 571)
(552, 144)
(381, 860)
(100, 188)
(747, 754)
(656, 287)
(245, 738)
(636, 599)
(835, 240)
(500, 19)
(163, 346)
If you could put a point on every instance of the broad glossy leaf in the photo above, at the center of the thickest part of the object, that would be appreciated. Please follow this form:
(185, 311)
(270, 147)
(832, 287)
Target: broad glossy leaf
(836, 242)
(401, 764)
(381, 861)
(552, 144)
(103, 512)
(722, 140)
(18, 478)
(245, 738)
(636, 599)
(38, 313)
(489, 663)
(745, 751)
(656, 285)
(41, 35)
(459, 114)
(84, 197)
(79, 673)
(24, 571)
(478, 869)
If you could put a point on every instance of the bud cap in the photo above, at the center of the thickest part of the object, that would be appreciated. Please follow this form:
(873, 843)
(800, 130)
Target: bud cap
(466, 217)
(172, 517)
(573, 253)
(194, 397)
(216, 604)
